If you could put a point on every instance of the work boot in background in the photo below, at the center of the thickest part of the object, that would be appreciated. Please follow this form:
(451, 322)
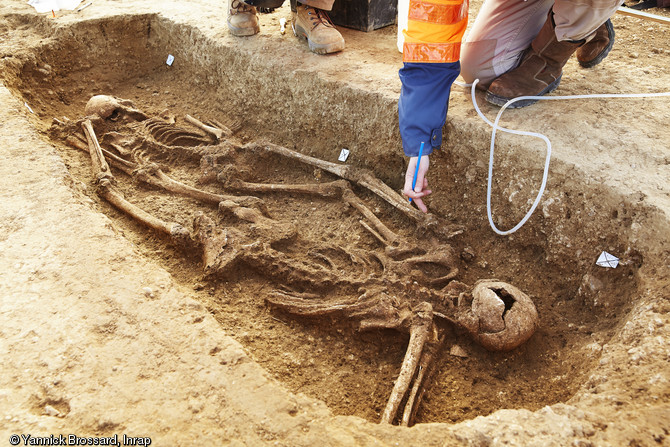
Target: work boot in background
(242, 19)
(314, 25)
(538, 73)
(595, 50)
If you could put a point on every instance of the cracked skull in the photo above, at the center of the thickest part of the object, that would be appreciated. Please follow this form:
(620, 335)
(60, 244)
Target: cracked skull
(502, 316)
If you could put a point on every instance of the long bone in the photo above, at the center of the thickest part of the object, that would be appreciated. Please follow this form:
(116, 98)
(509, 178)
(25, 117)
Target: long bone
(337, 188)
(366, 179)
(424, 373)
(420, 329)
(213, 131)
(375, 309)
(100, 166)
(109, 192)
(153, 175)
(477, 312)
(404, 255)
(330, 189)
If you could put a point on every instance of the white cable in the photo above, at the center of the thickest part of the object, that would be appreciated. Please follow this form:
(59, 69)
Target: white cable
(532, 134)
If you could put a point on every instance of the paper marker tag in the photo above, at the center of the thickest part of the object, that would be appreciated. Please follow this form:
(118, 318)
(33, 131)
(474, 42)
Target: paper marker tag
(607, 260)
(170, 60)
(343, 155)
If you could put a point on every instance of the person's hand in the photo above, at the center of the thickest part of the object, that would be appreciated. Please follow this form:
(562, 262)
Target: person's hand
(421, 188)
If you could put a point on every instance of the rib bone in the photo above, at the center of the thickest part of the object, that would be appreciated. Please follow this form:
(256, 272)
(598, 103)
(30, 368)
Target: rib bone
(109, 192)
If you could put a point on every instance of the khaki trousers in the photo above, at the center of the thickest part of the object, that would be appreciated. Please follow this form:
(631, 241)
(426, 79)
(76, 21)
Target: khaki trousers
(503, 29)
(326, 5)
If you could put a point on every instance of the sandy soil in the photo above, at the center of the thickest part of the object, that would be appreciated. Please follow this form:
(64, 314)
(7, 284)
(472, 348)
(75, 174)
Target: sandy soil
(109, 328)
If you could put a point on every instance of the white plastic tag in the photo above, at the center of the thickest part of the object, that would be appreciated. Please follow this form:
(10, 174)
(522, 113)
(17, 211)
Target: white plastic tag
(344, 155)
(607, 260)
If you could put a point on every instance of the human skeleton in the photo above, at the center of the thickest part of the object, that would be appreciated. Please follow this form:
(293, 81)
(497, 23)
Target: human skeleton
(406, 286)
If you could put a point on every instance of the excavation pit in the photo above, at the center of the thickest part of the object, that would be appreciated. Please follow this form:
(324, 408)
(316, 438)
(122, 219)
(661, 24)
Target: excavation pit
(581, 306)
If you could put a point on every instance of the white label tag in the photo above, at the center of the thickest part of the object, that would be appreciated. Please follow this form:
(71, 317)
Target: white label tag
(343, 155)
(170, 59)
(607, 260)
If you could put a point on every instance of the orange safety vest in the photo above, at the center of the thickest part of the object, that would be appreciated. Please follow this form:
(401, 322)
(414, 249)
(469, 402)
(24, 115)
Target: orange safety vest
(434, 30)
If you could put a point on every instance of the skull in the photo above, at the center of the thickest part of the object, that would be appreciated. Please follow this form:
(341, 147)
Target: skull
(501, 316)
(112, 108)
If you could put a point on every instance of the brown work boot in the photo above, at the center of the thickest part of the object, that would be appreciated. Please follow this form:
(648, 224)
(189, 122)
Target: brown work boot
(538, 73)
(314, 25)
(595, 50)
(242, 19)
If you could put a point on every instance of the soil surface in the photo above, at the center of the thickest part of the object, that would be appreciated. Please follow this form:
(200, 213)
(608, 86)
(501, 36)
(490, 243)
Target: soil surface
(110, 327)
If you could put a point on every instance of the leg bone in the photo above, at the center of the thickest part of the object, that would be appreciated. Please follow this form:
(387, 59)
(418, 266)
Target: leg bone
(366, 178)
(423, 376)
(153, 175)
(419, 332)
(331, 189)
